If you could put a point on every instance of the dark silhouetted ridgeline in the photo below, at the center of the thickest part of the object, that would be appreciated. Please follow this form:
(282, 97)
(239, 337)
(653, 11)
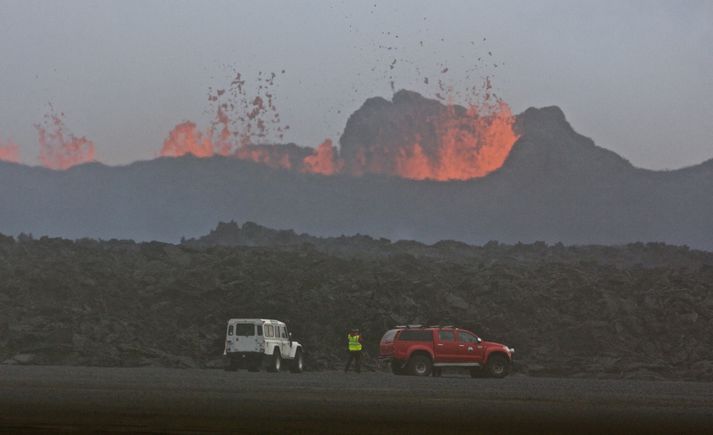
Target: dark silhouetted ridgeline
(555, 186)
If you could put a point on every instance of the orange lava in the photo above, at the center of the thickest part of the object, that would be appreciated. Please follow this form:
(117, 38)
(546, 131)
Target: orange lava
(274, 156)
(185, 138)
(469, 146)
(60, 149)
(324, 160)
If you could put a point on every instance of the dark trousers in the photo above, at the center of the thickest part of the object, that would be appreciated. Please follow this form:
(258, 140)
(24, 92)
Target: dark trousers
(356, 357)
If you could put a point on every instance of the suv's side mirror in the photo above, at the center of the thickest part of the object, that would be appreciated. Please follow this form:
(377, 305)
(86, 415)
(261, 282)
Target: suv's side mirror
(290, 335)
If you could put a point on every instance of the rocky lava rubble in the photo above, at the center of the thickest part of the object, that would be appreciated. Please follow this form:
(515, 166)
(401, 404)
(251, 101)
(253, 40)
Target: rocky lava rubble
(636, 311)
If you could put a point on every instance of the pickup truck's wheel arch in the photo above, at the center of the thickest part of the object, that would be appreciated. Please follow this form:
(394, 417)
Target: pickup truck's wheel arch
(420, 364)
(498, 365)
(275, 361)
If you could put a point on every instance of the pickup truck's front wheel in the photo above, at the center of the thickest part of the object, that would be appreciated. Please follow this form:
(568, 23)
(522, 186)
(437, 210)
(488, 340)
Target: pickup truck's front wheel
(498, 366)
(420, 365)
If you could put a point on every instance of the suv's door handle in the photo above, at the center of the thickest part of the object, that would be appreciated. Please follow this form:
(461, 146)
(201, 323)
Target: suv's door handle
(461, 345)
(439, 344)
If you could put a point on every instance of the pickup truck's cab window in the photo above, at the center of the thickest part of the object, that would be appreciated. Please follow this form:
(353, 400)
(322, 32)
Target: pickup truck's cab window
(446, 336)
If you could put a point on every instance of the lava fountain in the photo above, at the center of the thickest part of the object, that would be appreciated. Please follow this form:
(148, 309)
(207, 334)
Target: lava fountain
(59, 148)
(9, 152)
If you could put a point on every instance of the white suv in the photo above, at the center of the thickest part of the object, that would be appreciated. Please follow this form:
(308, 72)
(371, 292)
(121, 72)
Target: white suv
(253, 343)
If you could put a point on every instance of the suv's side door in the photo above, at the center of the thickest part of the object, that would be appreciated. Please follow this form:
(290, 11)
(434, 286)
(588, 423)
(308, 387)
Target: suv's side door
(469, 348)
(446, 349)
(284, 342)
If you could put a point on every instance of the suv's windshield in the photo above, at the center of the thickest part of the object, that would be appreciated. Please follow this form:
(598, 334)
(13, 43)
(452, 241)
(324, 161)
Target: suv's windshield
(245, 329)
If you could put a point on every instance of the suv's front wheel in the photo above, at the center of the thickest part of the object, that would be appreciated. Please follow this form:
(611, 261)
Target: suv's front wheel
(420, 365)
(275, 362)
(298, 362)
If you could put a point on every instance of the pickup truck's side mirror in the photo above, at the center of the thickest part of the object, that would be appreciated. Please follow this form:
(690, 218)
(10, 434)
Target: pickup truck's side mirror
(479, 339)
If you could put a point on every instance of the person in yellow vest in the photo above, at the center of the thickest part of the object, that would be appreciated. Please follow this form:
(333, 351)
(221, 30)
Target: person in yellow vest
(354, 342)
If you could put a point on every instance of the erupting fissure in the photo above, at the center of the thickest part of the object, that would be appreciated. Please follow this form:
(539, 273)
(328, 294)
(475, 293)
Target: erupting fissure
(242, 124)
(448, 142)
(454, 144)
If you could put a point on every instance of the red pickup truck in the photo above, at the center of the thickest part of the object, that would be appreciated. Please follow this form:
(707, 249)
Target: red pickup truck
(419, 351)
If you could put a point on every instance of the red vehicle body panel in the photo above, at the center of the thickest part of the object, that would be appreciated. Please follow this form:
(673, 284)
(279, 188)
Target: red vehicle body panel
(445, 346)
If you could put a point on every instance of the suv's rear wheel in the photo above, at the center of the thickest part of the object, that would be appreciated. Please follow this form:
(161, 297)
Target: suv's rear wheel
(297, 363)
(498, 366)
(275, 362)
(420, 365)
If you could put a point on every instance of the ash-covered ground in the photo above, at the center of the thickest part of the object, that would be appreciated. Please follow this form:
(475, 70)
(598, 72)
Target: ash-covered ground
(641, 311)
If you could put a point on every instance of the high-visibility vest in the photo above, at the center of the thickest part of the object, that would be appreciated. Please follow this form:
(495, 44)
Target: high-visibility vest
(354, 344)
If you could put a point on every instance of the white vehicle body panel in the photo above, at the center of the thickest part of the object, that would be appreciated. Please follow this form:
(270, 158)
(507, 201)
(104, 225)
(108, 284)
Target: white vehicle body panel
(259, 336)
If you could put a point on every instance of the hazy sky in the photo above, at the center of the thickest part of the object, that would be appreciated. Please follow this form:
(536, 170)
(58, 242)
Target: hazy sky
(635, 76)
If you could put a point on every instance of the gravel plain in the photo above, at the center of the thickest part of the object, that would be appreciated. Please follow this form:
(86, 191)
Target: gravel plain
(91, 399)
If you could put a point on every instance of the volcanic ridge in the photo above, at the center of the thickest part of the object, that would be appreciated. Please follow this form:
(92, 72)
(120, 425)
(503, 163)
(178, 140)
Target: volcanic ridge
(523, 178)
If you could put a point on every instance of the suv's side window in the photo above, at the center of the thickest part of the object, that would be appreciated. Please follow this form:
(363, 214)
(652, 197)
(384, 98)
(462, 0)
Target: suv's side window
(259, 330)
(284, 332)
(466, 337)
(446, 336)
(277, 331)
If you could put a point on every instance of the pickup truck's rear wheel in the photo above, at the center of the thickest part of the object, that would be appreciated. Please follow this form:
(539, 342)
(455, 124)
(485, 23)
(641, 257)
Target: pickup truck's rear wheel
(275, 362)
(298, 362)
(498, 366)
(420, 365)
